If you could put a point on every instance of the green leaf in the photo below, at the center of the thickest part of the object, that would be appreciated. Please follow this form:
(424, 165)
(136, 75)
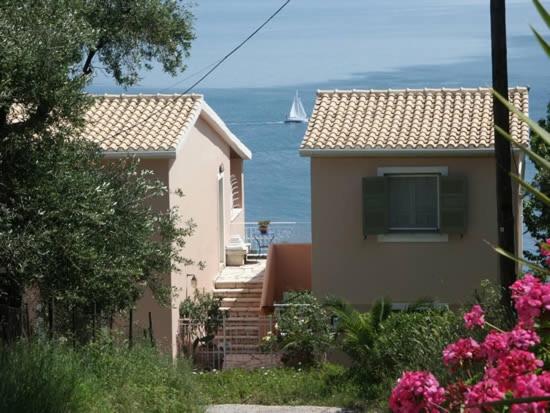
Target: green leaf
(536, 158)
(542, 12)
(532, 124)
(545, 46)
(511, 256)
(531, 189)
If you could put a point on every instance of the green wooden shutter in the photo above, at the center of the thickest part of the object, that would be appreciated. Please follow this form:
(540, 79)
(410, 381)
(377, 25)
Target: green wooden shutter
(375, 205)
(453, 203)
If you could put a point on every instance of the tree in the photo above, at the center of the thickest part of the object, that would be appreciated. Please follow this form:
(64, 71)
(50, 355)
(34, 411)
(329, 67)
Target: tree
(76, 228)
(48, 49)
(536, 213)
(82, 232)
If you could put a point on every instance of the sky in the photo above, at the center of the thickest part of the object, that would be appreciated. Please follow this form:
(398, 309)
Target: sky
(314, 41)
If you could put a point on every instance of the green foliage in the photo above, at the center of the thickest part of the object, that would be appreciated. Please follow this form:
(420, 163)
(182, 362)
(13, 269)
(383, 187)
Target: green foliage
(410, 341)
(78, 229)
(47, 77)
(204, 316)
(82, 231)
(536, 213)
(327, 385)
(381, 309)
(303, 332)
(52, 377)
(355, 331)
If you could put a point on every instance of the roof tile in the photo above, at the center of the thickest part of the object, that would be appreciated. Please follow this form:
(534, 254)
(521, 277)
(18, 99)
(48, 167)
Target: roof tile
(409, 119)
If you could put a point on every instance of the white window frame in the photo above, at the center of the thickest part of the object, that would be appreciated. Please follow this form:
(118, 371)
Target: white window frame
(422, 235)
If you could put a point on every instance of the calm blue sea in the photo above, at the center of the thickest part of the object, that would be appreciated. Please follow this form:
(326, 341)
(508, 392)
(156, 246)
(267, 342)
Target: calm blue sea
(277, 178)
(337, 45)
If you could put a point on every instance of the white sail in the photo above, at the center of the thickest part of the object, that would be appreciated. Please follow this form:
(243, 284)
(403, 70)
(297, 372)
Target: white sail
(297, 112)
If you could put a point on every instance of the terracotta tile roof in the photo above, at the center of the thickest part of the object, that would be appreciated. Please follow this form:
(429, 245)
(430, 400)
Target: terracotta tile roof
(408, 119)
(127, 123)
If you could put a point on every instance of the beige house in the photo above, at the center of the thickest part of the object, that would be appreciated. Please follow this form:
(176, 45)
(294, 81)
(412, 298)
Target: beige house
(188, 147)
(403, 192)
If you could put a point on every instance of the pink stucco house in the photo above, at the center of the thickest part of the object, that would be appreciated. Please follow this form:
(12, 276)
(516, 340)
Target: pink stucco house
(403, 192)
(188, 147)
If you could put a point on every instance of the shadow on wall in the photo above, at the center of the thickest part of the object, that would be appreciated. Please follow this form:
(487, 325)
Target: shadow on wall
(288, 268)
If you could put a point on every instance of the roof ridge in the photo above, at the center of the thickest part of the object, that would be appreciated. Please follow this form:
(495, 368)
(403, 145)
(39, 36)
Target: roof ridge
(146, 95)
(416, 90)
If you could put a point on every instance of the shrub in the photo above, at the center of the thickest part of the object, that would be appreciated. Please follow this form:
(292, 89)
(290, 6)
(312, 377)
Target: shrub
(303, 331)
(410, 341)
(505, 369)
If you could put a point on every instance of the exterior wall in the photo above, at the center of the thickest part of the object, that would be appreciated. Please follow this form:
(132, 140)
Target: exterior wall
(161, 315)
(195, 171)
(361, 271)
(288, 268)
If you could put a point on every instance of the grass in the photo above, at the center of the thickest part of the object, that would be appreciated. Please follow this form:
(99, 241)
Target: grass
(103, 377)
(52, 377)
(328, 385)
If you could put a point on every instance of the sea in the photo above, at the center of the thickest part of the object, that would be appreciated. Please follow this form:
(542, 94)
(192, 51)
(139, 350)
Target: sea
(433, 44)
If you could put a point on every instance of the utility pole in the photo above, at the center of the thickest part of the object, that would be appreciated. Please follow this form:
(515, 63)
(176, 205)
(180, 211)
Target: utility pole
(505, 212)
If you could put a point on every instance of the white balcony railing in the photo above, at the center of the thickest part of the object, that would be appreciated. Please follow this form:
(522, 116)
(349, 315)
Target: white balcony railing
(278, 232)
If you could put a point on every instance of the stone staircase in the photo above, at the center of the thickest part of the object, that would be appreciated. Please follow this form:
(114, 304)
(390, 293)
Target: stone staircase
(240, 289)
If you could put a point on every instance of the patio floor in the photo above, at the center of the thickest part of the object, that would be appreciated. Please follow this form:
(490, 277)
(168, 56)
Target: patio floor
(251, 272)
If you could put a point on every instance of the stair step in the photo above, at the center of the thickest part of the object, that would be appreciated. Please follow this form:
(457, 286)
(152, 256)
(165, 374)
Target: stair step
(237, 291)
(243, 346)
(240, 300)
(242, 327)
(243, 309)
(223, 285)
(230, 338)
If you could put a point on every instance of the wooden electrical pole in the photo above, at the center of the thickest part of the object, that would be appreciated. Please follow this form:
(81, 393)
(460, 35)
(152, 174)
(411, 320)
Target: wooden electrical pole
(505, 212)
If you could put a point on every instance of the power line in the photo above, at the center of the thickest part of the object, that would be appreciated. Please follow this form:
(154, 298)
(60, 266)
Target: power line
(216, 65)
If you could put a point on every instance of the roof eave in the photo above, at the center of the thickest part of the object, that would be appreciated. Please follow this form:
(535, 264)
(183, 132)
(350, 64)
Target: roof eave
(314, 153)
(218, 124)
(139, 154)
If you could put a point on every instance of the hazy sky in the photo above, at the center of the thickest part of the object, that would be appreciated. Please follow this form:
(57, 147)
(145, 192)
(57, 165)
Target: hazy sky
(320, 40)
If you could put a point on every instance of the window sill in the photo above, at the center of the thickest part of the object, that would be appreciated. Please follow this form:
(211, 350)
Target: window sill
(413, 237)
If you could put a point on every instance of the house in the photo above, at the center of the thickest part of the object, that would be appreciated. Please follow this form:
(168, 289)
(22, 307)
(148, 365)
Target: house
(403, 192)
(187, 146)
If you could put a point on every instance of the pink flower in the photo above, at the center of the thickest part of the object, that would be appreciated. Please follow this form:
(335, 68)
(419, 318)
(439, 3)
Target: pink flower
(529, 386)
(417, 391)
(495, 346)
(475, 317)
(464, 349)
(514, 364)
(527, 294)
(482, 392)
(523, 339)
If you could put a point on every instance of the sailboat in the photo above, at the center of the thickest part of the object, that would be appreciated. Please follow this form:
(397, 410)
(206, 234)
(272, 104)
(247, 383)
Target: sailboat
(297, 112)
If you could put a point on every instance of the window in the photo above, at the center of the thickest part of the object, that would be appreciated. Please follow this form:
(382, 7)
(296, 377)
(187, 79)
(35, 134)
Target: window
(420, 201)
(413, 202)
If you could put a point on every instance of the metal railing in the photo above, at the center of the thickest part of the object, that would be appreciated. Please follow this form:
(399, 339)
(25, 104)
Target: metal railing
(236, 335)
(283, 232)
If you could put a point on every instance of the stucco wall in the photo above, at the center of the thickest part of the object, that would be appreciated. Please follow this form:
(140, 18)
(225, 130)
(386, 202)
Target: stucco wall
(161, 315)
(361, 271)
(195, 171)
